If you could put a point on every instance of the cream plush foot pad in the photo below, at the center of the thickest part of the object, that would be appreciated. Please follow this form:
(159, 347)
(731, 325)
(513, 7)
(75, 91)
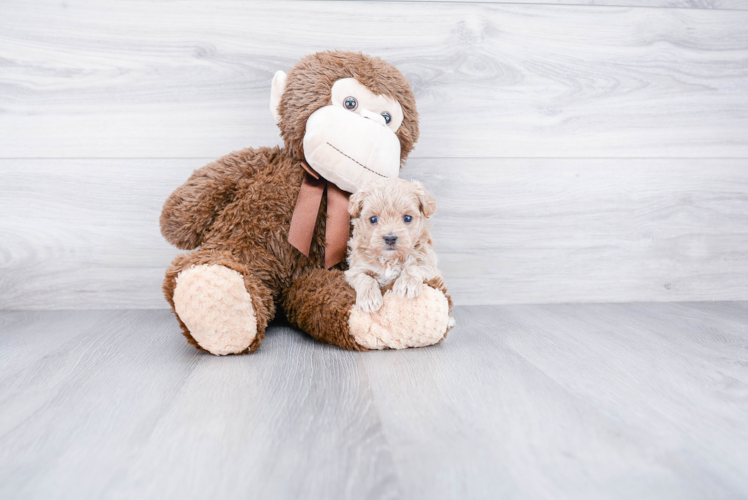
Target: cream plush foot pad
(402, 322)
(212, 301)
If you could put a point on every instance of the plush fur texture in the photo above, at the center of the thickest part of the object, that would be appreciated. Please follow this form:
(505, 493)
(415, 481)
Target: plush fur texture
(216, 307)
(238, 210)
(320, 303)
(397, 247)
(399, 324)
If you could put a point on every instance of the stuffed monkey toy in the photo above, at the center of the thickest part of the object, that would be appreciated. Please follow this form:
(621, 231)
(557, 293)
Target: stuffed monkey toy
(268, 226)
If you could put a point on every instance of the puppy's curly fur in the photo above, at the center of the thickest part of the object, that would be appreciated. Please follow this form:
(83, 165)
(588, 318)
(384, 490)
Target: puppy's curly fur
(391, 241)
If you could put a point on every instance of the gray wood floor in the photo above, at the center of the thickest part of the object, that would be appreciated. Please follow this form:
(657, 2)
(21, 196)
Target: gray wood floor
(521, 401)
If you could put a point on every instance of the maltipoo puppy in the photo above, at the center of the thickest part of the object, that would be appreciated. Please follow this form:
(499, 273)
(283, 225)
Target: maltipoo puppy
(391, 241)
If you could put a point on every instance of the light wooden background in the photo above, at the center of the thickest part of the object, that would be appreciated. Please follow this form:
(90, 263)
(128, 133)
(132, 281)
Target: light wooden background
(580, 151)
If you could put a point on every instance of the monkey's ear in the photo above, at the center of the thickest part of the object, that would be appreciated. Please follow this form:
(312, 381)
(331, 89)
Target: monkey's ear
(276, 92)
(427, 202)
(356, 203)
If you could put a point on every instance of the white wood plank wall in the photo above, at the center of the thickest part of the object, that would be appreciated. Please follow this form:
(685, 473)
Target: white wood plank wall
(579, 151)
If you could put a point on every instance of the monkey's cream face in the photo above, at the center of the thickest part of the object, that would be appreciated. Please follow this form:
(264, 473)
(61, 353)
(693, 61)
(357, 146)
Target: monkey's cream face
(352, 141)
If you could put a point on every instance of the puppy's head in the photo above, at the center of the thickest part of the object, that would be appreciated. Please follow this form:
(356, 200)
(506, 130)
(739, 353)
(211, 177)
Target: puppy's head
(389, 216)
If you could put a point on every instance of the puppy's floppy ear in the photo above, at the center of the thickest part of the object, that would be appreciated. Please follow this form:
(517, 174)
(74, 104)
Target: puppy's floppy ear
(427, 202)
(356, 203)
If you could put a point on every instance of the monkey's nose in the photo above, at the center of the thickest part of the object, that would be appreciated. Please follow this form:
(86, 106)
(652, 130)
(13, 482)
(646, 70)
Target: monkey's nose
(390, 239)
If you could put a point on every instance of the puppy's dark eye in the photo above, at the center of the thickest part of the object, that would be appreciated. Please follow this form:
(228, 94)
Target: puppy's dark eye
(351, 103)
(407, 219)
(387, 117)
(374, 219)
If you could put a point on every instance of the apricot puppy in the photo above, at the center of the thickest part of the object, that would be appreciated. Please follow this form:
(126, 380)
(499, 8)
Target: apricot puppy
(391, 241)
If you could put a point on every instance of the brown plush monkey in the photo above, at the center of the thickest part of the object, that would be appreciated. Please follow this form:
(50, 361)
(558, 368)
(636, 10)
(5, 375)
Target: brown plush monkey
(352, 118)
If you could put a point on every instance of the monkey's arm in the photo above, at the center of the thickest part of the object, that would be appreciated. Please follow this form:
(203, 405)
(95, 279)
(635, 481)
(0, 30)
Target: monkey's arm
(190, 210)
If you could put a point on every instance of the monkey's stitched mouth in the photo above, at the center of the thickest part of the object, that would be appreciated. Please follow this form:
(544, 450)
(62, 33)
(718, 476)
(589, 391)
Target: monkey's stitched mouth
(354, 161)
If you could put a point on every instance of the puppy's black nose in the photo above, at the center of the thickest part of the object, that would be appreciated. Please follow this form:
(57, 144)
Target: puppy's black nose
(390, 240)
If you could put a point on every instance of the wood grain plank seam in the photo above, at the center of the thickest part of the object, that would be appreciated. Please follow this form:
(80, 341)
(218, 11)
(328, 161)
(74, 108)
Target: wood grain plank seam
(524, 4)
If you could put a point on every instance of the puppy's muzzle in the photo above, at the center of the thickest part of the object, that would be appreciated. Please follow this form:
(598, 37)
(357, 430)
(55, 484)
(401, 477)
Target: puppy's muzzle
(390, 240)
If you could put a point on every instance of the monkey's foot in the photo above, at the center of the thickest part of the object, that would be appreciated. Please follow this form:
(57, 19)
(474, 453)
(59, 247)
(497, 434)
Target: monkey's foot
(403, 322)
(213, 303)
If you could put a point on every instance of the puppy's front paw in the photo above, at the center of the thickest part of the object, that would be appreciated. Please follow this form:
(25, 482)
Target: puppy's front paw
(369, 298)
(408, 286)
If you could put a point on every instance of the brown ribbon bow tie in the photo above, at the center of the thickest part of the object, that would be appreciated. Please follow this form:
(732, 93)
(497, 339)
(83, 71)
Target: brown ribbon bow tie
(305, 217)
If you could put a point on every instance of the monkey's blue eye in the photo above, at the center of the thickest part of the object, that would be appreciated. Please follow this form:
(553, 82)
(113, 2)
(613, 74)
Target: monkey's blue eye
(387, 117)
(350, 103)
(408, 219)
(374, 219)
